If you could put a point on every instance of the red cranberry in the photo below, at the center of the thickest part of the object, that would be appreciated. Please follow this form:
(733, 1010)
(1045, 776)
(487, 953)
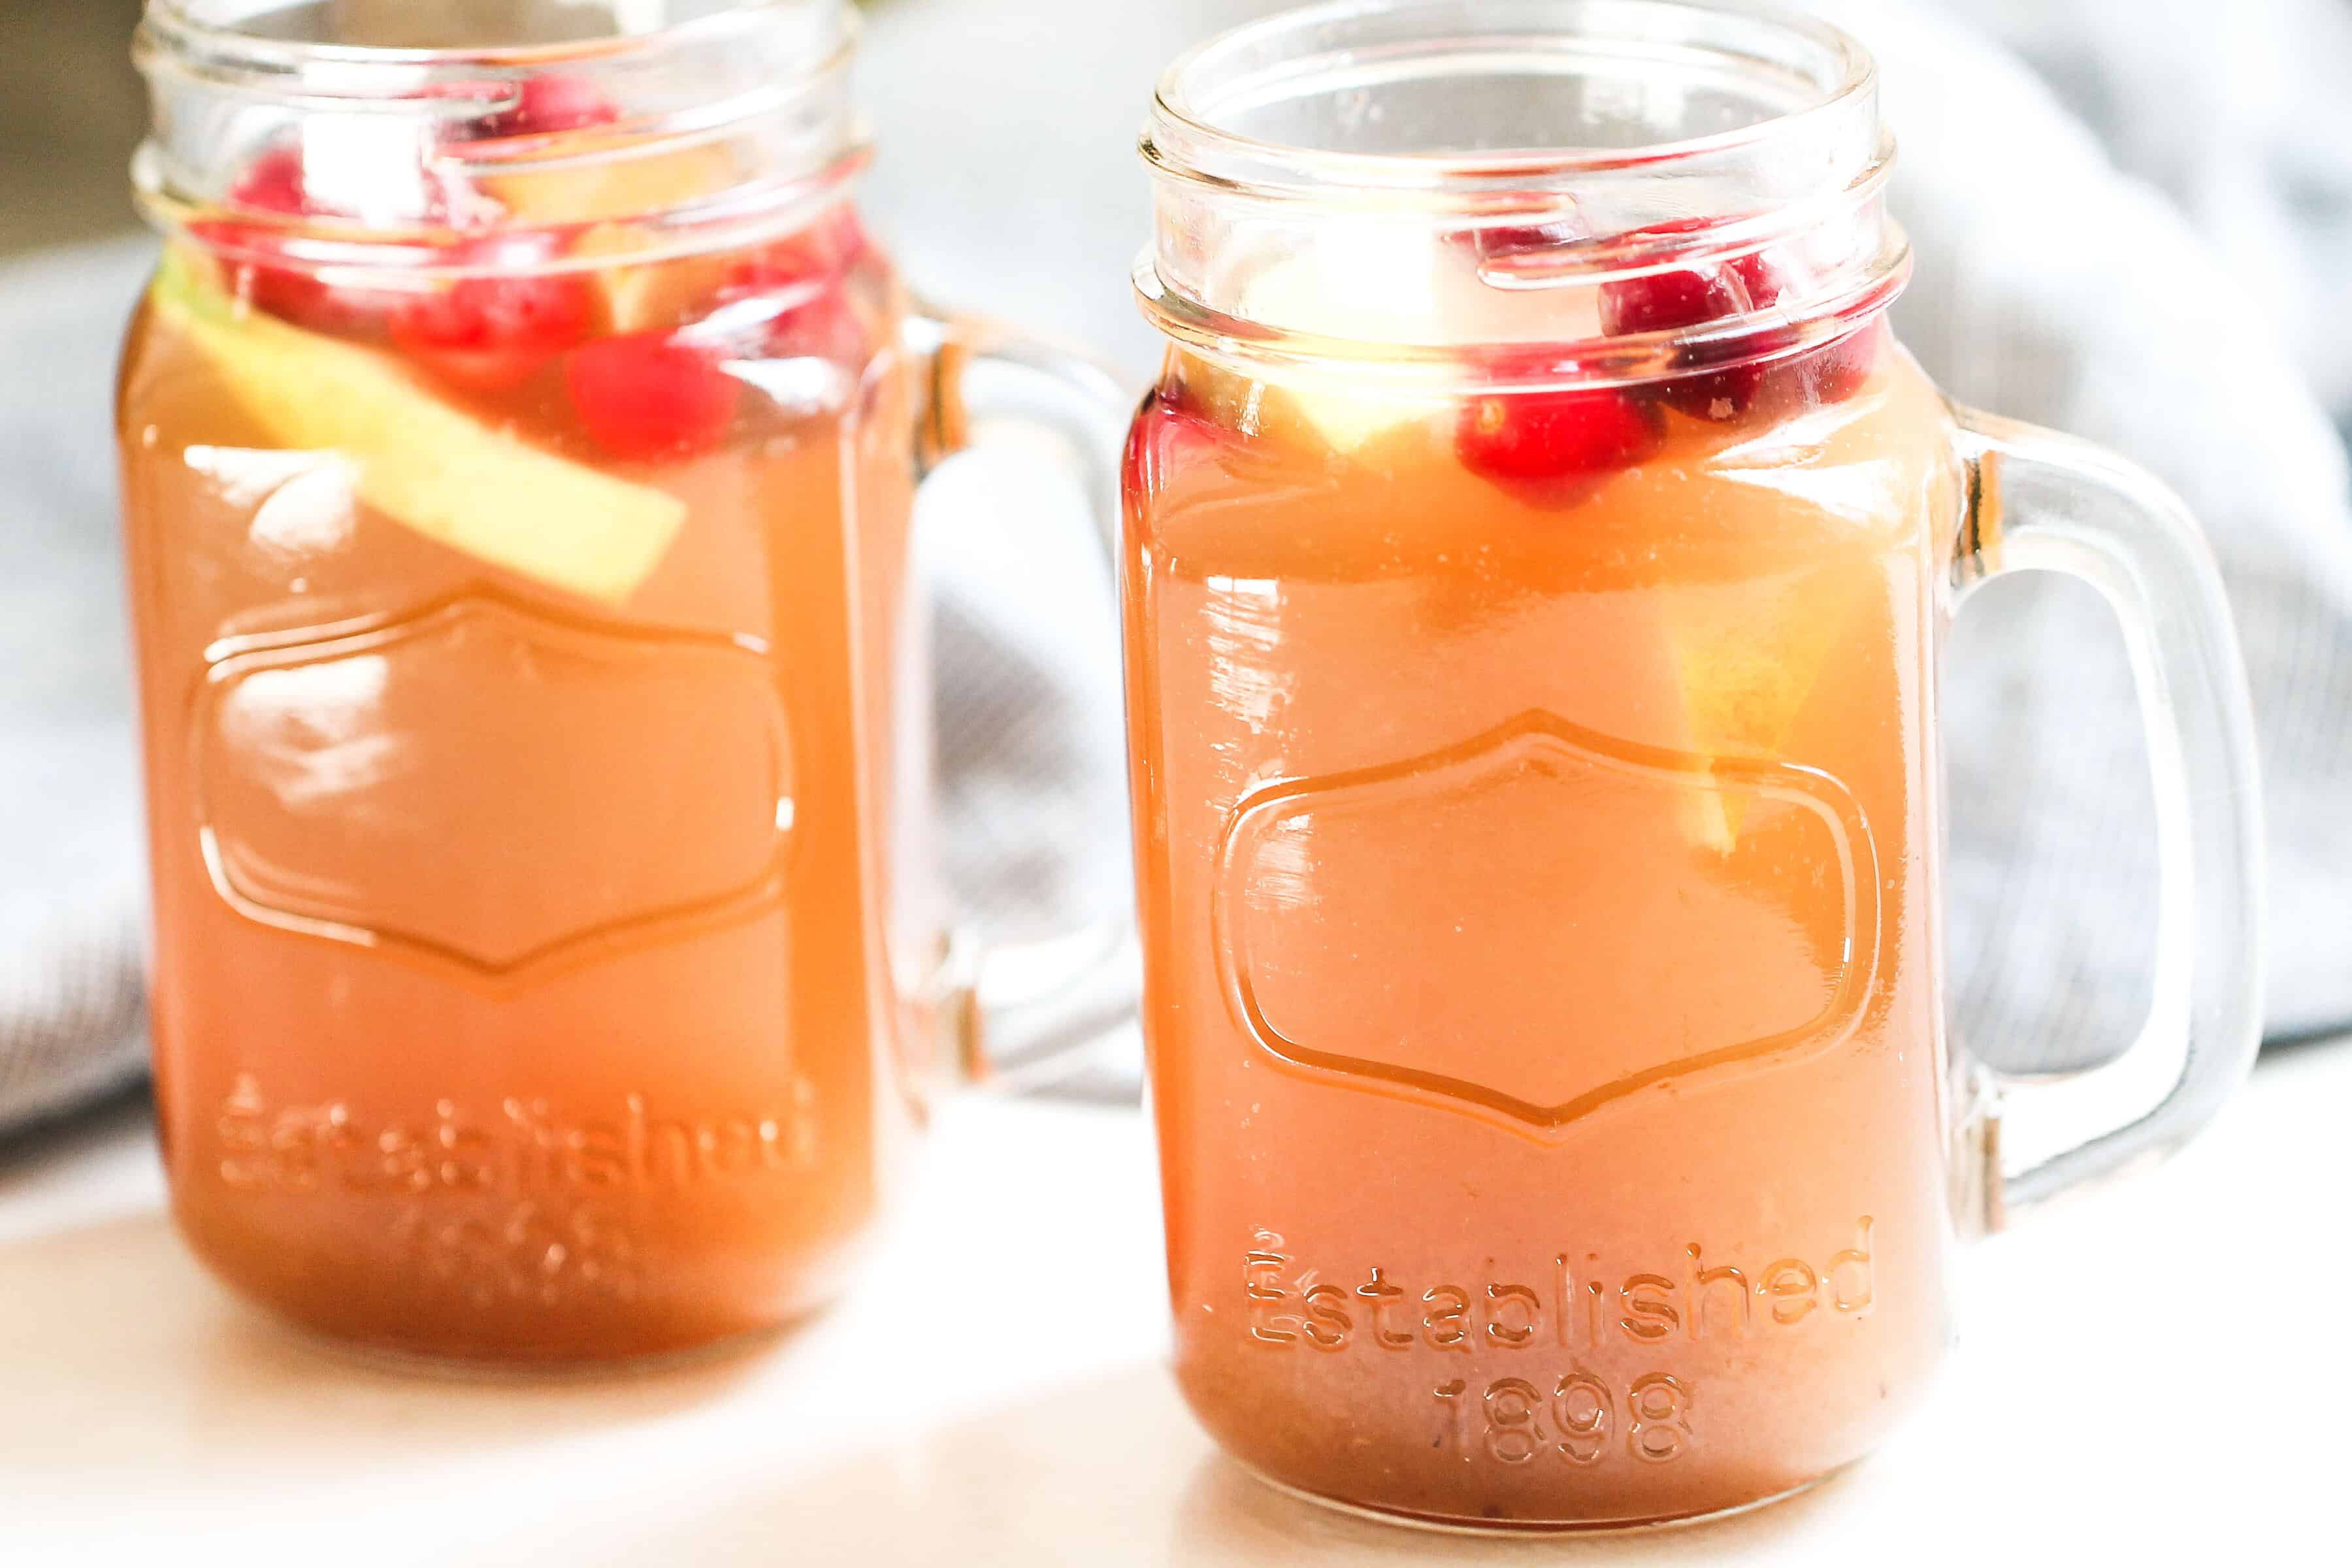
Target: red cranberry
(1833, 373)
(813, 265)
(831, 245)
(1669, 301)
(1840, 369)
(494, 332)
(1764, 275)
(1538, 441)
(824, 324)
(1505, 242)
(827, 327)
(1167, 434)
(648, 395)
(275, 184)
(550, 103)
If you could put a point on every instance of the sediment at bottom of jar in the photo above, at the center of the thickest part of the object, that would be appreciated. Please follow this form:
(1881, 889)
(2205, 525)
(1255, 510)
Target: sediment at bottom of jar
(513, 1334)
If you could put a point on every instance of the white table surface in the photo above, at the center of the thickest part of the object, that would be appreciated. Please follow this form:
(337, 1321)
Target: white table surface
(2153, 1374)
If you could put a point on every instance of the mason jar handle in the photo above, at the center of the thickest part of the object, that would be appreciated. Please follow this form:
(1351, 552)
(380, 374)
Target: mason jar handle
(1058, 995)
(2044, 502)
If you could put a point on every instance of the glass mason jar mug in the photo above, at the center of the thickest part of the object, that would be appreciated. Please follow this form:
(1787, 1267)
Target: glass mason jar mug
(519, 443)
(1536, 563)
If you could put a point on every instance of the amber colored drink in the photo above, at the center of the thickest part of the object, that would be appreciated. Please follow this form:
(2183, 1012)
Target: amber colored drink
(1533, 815)
(522, 663)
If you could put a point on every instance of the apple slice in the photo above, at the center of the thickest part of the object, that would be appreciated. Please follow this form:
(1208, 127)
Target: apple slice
(615, 189)
(610, 196)
(647, 295)
(416, 459)
(1378, 290)
(1748, 655)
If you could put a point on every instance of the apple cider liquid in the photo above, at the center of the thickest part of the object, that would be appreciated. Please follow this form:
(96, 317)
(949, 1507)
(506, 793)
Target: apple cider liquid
(1552, 1127)
(1530, 602)
(527, 666)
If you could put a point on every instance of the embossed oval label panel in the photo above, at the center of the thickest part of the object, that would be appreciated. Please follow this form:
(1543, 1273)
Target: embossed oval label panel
(492, 787)
(1543, 920)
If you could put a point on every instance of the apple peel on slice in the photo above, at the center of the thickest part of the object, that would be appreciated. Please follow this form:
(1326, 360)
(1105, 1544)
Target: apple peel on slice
(417, 459)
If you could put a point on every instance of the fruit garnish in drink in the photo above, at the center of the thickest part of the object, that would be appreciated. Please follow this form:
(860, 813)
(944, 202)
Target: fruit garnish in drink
(1838, 372)
(616, 189)
(807, 276)
(603, 200)
(1692, 297)
(493, 332)
(1544, 446)
(551, 101)
(275, 184)
(1757, 280)
(1748, 655)
(1490, 243)
(626, 295)
(415, 457)
(1169, 435)
(1304, 411)
(1383, 292)
(649, 396)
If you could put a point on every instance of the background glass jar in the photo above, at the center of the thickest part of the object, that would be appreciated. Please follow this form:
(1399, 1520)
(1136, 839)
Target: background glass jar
(519, 443)
(1536, 563)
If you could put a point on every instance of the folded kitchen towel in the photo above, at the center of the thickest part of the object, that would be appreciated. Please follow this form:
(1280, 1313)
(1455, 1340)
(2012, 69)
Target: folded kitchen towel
(2053, 287)
(70, 856)
(2050, 286)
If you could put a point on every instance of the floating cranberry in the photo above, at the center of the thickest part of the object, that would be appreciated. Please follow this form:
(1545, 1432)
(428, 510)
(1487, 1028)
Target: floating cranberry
(648, 395)
(1668, 301)
(827, 327)
(1490, 243)
(1691, 296)
(1830, 373)
(821, 323)
(275, 184)
(1168, 434)
(552, 102)
(812, 268)
(824, 248)
(1764, 275)
(492, 334)
(1537, 441)
(1840, 370)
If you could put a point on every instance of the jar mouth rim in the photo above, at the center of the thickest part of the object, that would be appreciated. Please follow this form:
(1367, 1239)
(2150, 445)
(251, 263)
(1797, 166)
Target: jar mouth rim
(1185, 141)
(225, 45)
(1531, 365)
